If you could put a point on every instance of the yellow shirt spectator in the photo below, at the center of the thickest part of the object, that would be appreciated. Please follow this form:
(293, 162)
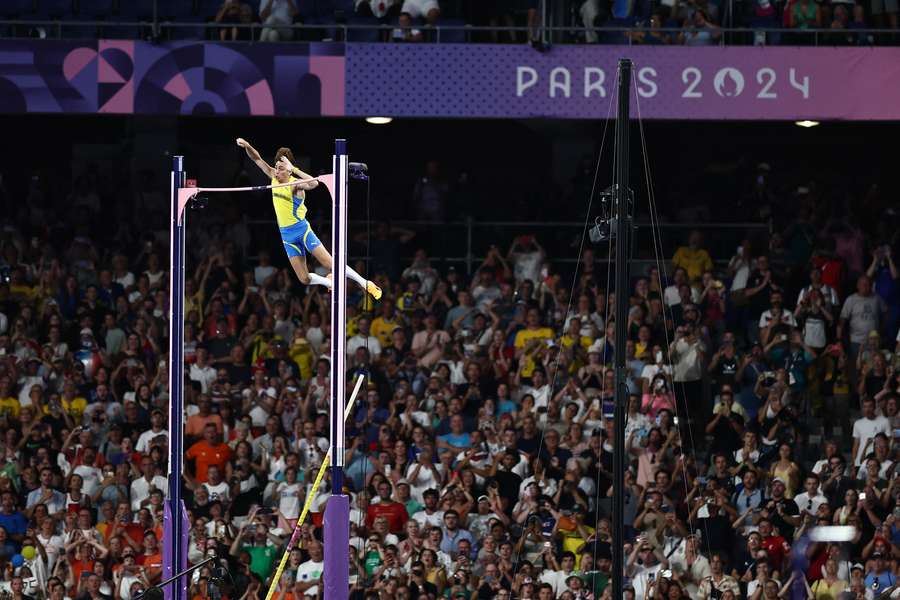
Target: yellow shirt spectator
(301, 353)
(694, 260)
(74, 406)
(526, 336)
(383, 327)
(567, 341)
(10, 406)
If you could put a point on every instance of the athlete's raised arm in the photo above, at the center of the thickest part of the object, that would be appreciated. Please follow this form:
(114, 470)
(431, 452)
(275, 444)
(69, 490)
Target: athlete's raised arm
(255, 157)
(295, 171)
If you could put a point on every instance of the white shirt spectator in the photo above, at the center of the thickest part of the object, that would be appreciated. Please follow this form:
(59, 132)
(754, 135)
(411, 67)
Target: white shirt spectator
(865, 430)
(310, 571)
(527, 265)
(803, 502)
(126, 280)
(787, 317)
(672, 297)
(541, 395)
(557, 579)
(90, 477)
(143, 443)
(641, 579)
(361, 341)
(219, 491)
(687, 365)
(435, 519)
(828, 294)
(311, 454)
(140, 489)
(53, 545)
(424, 480)
(289, 499)
(650, 371)
(883, 471)
(204, 375)
(25, 393)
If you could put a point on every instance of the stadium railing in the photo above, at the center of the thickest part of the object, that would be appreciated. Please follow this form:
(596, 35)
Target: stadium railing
(160, 30)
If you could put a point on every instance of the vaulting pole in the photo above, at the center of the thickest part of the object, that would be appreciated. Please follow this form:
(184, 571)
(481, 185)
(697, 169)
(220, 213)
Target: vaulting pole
(622, 232)
(176, 528)
(337, 509)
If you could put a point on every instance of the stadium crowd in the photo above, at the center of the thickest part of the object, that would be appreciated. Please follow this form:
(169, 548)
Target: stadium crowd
(686, 22)
(763, 401)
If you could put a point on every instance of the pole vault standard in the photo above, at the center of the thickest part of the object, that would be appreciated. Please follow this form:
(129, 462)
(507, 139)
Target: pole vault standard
(337, 510)
(176, 527)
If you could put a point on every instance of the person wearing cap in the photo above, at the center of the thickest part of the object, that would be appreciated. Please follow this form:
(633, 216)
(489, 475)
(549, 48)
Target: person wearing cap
(879, 577)
(157, 429)
(405, 498)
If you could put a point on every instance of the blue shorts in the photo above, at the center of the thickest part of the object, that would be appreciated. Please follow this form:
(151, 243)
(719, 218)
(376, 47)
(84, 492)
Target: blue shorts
(299, 239)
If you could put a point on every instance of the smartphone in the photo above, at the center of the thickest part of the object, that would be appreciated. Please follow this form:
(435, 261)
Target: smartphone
(675, 420)
(862, 495)
(659, 357)
(783, 337)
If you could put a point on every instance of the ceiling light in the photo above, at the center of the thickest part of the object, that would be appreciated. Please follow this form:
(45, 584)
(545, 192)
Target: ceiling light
(806, 123)
(383, 120)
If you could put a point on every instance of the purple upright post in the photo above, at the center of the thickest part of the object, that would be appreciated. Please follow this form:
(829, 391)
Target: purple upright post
(175, 528)
(337, 509)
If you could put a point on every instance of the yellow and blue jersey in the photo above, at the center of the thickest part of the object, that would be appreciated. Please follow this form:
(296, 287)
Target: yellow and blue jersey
(290, 212)
(290, 208)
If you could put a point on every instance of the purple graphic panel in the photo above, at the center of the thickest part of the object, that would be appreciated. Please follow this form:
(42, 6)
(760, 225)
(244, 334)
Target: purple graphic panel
(576, 81)
(125, 77)
(445, 80)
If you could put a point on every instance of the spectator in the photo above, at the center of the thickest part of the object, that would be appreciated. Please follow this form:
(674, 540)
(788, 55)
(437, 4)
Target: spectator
(693, 259)
(277, 16)
(699, 30)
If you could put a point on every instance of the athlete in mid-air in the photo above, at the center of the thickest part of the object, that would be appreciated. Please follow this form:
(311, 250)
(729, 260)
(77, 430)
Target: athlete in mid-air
(290, 212)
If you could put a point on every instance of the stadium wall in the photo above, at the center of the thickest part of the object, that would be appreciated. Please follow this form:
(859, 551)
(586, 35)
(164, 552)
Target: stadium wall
(453, 80)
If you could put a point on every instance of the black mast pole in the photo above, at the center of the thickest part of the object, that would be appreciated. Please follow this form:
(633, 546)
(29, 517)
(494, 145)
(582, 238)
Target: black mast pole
(621, 231)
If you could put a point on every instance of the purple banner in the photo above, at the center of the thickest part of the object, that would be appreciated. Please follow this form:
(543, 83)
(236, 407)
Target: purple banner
(671, 82)
(120, 76)
(446, 80)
